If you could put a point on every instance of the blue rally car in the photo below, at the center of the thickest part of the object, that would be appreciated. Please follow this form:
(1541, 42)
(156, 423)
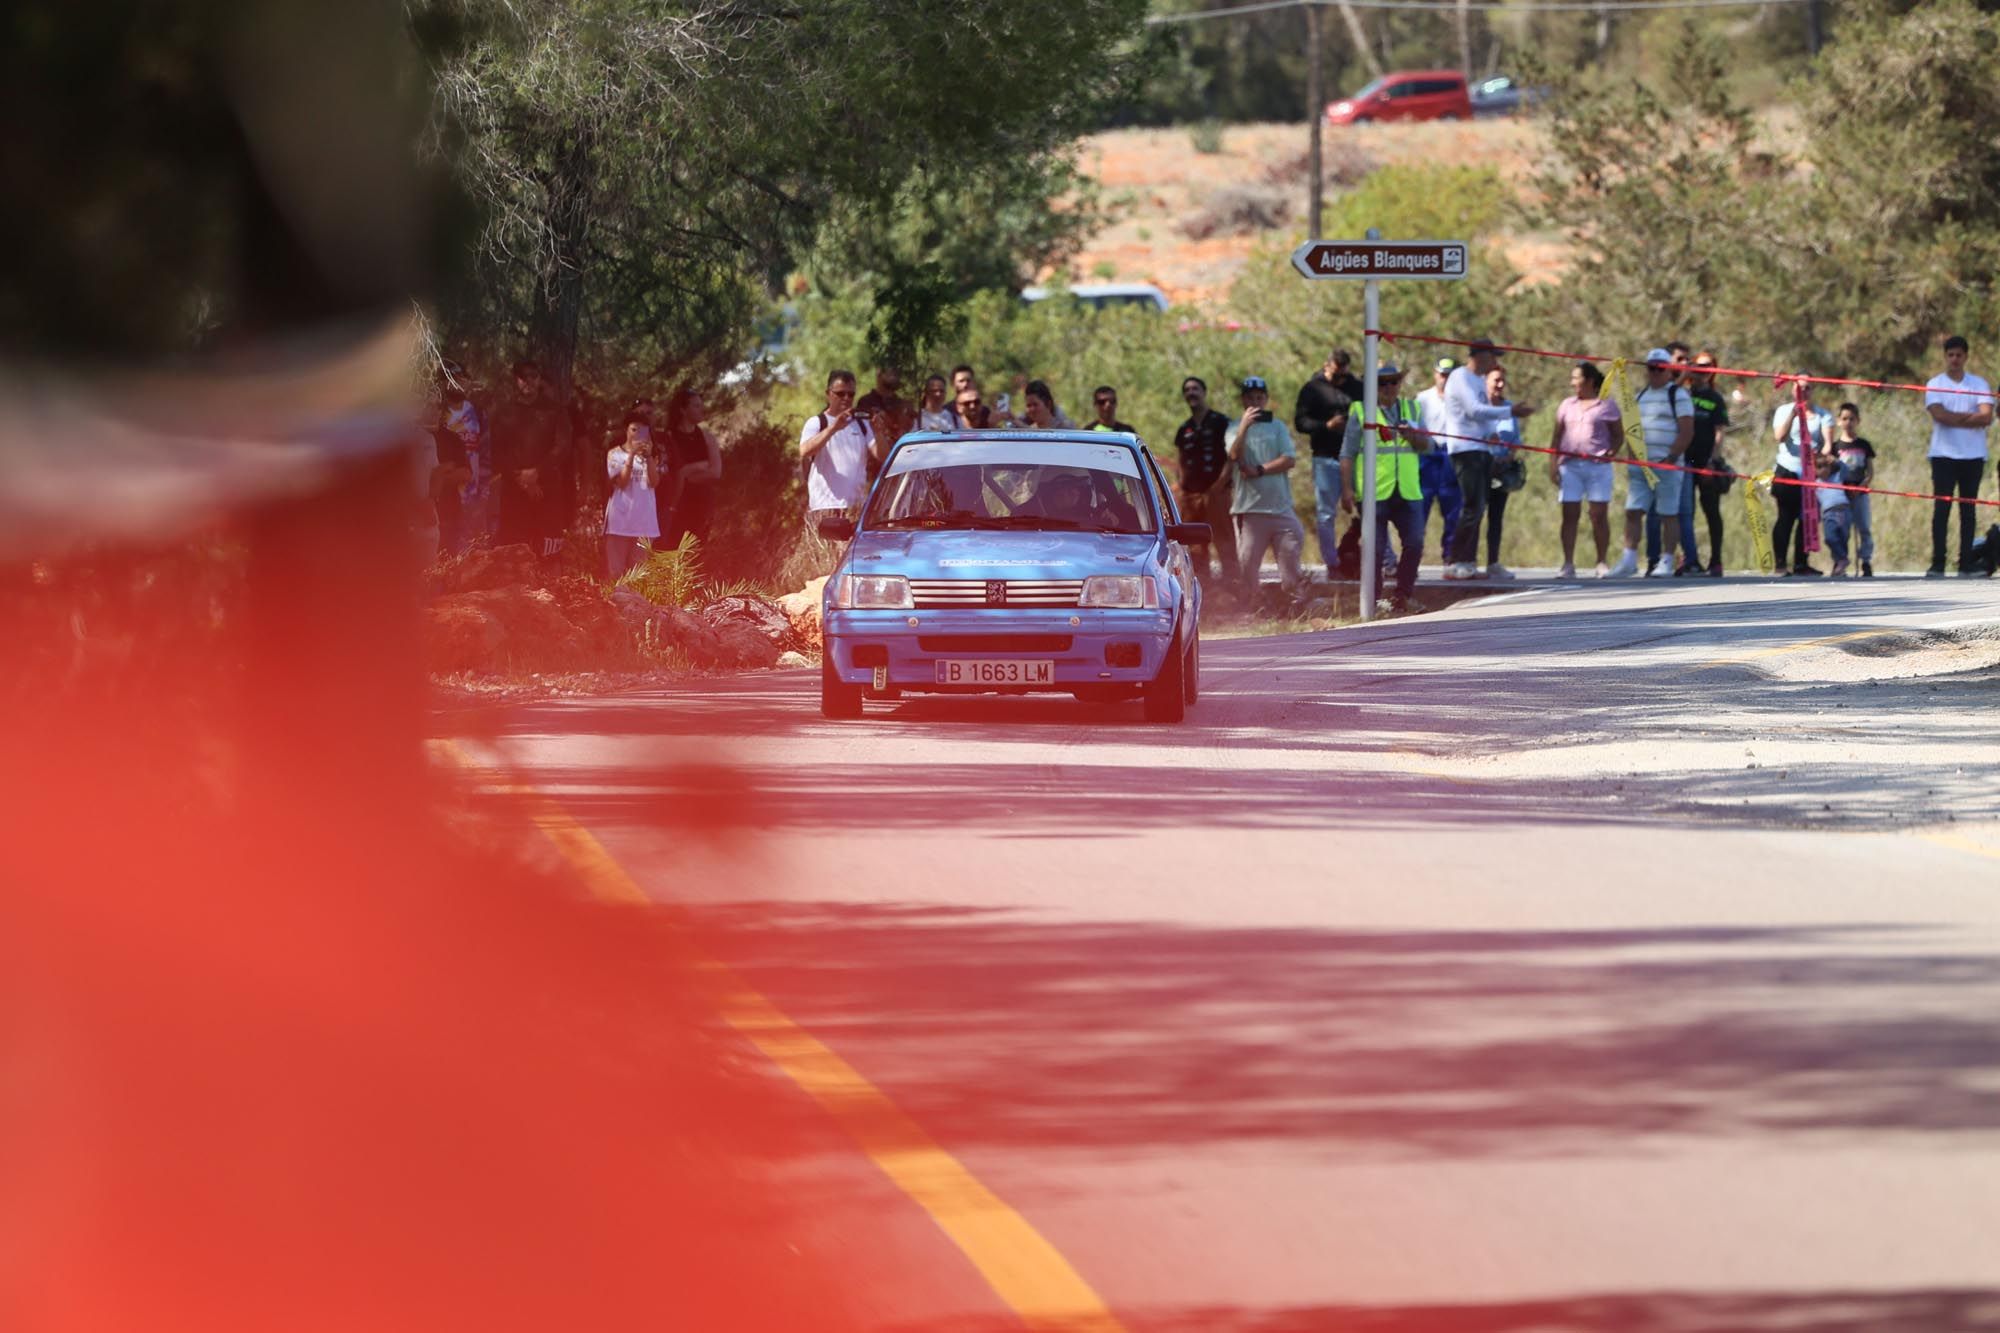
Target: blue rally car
(1013, 561)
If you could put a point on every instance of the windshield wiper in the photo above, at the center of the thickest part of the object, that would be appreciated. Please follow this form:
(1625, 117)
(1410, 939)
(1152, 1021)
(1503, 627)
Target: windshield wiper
(1037, 522)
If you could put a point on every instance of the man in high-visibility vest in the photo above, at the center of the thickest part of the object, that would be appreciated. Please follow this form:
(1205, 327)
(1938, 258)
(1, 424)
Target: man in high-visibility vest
(1399, 492)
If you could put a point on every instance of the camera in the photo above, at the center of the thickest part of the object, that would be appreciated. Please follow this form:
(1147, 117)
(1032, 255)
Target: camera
(1985, 558)
(1264, 414)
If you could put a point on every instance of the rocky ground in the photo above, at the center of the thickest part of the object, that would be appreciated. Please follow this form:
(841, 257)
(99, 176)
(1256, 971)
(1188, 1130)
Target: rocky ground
(497, 618)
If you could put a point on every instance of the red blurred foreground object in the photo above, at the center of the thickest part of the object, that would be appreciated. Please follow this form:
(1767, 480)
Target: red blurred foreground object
(279, 1055)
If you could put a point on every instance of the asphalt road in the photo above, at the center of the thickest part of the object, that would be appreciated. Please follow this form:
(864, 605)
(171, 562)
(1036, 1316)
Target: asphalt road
(1615, 957)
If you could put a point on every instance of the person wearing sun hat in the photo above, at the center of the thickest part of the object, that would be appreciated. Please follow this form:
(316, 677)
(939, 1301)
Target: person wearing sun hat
(1399, 451)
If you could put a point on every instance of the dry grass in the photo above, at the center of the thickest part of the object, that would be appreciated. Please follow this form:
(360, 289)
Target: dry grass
(1164, 189)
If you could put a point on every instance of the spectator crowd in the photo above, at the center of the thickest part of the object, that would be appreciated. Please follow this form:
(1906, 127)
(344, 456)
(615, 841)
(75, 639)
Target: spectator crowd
(518, 470)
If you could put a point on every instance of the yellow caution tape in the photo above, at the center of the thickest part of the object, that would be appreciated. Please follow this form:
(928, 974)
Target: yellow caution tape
(1618, 388)
(1754, 492)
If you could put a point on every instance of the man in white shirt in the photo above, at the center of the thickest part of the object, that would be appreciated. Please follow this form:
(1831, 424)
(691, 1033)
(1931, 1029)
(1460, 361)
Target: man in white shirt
(1470, 418)
(1961, 409)
(1666, 412)
(1434, 468)
(835, 446)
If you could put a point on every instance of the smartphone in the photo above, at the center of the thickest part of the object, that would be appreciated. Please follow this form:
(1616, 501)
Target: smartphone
(1264, 414)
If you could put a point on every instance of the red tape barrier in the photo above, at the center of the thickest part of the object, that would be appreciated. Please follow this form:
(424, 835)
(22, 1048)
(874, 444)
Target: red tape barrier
(1691, 471)
(1777, 377)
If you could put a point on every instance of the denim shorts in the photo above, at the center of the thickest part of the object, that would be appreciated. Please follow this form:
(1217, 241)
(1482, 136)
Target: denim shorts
(1648, 490)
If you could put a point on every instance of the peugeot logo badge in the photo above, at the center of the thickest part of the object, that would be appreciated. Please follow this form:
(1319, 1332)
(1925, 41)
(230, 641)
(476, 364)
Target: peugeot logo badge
(996, 592)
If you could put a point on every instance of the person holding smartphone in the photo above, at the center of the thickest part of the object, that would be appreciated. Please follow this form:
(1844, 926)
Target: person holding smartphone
(631, 520)
(1263, 455)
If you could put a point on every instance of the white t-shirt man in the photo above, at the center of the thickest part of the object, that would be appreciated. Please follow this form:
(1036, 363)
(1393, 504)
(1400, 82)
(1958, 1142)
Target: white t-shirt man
(1660, 413)
(1967, 394)
(838, 475)
(1469, 417)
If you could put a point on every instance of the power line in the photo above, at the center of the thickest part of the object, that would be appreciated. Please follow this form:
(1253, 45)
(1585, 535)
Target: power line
(1448, 6)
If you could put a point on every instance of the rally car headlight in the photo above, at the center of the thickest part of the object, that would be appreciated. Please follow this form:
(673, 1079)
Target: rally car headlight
(1119, 590)
(872, 592)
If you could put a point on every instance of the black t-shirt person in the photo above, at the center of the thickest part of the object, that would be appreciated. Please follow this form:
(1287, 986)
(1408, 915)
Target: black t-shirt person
(1321, 411)
(1202, 445)
(1711, 414)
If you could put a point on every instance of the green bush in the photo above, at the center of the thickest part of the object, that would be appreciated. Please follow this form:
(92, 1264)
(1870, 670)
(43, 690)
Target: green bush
(759, 504)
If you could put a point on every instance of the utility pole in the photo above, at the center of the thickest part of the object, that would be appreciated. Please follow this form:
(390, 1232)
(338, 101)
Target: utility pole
(1815, 32)
(1464, 39)
(1316, 118)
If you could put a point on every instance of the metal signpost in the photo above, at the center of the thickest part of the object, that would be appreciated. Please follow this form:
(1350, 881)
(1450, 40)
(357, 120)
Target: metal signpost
(1372, 261)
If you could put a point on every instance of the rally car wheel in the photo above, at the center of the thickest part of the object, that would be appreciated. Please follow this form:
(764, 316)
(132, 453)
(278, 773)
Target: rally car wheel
(837, 699)
(1166, 693)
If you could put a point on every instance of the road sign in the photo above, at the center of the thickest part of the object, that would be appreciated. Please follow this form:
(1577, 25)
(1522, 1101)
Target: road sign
(1373, 260)
(1381, 259)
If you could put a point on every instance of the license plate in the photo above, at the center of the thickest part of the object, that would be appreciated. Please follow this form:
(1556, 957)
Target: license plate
(988, 671)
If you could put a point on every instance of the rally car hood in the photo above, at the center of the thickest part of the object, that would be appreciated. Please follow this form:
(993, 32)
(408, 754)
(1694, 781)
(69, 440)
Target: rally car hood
(999, 555)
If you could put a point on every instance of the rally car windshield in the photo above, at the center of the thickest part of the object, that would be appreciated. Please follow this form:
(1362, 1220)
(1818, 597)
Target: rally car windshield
(1048, 493)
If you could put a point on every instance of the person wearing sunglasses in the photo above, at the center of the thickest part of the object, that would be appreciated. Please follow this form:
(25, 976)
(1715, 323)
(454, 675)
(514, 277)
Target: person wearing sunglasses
(1104, 400)
(1687, 557)
(1711, 423)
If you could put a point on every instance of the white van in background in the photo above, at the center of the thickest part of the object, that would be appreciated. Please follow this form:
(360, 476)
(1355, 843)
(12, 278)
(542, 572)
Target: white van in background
(1102, 295)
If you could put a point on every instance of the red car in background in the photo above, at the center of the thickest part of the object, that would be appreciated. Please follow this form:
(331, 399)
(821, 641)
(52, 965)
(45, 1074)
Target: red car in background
(1417, 94)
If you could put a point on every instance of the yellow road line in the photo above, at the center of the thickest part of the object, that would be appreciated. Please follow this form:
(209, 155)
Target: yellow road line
(1958, 842)
(1800, 646)
(1023, 1268)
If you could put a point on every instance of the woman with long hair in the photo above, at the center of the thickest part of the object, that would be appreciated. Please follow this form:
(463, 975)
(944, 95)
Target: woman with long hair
(1586, 437)
(934, 410)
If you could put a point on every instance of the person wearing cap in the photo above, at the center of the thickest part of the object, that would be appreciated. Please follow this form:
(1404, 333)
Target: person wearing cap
(1666, 416)
(1470, 418)
(1399, 492)
(1690, 549)
(1440, 482)
(1321, 415)
(1263, 456)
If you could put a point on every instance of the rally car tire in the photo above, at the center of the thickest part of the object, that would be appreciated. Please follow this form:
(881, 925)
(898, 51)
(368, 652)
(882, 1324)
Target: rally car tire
(838, 700)
(1166, 693)
(1191, 690)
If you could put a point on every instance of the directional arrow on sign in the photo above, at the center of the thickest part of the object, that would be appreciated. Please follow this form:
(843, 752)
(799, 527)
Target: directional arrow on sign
(1435, 260)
